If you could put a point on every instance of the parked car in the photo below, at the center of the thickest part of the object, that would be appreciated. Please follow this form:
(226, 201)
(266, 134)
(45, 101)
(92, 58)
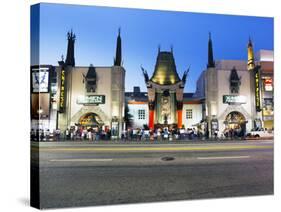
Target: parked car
(262, 133)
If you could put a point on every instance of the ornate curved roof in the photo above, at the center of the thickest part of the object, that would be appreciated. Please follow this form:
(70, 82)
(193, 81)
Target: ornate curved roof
(165, 72)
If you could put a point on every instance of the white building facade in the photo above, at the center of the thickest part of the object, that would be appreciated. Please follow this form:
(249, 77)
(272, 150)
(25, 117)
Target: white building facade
(229, 97)
(102, 106)
(238, 94)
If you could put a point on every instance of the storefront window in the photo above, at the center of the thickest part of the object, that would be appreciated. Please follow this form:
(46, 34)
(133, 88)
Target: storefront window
(141, 114)
(189, 114)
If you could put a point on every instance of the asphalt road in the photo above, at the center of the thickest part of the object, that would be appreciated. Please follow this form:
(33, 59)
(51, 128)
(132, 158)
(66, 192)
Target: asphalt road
(84, 174)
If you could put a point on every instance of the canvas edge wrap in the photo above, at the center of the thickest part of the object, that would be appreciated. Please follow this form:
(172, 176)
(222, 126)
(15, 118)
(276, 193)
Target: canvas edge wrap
(34, 150)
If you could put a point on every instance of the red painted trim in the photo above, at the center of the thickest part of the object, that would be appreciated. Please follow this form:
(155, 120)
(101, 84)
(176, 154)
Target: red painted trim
(179, 118)
(151, 120)
(136, 103)
(192, 102)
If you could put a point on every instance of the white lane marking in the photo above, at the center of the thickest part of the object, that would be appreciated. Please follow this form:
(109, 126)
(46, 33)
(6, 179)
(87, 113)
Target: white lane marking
(83, 160)
(223, 157)
(266, 142)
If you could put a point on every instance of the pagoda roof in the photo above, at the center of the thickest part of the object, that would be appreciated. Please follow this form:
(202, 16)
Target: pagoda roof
(165, 72)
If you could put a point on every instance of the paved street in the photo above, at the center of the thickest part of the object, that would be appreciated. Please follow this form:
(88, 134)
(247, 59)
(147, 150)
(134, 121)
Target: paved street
(84, 174)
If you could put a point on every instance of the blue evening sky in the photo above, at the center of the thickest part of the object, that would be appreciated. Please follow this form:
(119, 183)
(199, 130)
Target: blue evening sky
(96, 30)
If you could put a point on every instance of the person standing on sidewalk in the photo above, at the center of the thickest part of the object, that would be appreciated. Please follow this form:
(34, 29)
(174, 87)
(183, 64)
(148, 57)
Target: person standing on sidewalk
(58, 134)
(67, 134)
(41, 134)
(90, 135)
(216, 134)
(47, 135)
(71, 134)
(82, 134)
(32, 135)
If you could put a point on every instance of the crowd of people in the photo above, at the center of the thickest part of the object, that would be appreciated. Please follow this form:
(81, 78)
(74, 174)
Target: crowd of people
(72, 133)
(139, 134)
(159, 134)
(96, 134)
(233, 132)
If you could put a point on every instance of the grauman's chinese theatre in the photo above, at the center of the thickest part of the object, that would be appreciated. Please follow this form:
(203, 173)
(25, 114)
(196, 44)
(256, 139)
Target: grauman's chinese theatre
(165, 92)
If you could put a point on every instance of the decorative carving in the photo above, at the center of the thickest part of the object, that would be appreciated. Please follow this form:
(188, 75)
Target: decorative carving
(90, 119)
(235, 116)
(90, 109)
(166, 93)
(165, 105)
(179, 94)
(237, 108)
(179, 105)
(184, 76)
(146, 78)
(151, 94)
(90, 79)
(235, 81)
(151, 105)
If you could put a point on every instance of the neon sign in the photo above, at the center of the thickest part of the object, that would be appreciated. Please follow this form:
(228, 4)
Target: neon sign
(234, 99)
(62, 92)
(92, 99)
(257, 89)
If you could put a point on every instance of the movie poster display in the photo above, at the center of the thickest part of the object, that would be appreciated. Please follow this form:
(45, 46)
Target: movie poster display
(40, 79)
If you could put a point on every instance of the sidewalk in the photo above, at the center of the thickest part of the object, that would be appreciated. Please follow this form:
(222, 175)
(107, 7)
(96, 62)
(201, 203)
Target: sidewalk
(185, 141)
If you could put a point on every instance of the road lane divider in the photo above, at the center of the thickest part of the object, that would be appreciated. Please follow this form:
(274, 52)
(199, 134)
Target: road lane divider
(151, 149)
(83, 160)
(223, 157)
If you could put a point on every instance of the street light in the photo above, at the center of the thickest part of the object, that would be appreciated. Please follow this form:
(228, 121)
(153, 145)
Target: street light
(40, 111)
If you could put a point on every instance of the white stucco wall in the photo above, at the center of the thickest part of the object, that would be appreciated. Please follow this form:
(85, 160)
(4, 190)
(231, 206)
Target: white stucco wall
(196, 115)
(133, 110)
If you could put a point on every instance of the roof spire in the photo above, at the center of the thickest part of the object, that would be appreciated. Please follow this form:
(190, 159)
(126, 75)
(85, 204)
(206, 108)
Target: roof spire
(250, 42)
(251, 58)
(211, 63)
(118, 56)
(70, 60)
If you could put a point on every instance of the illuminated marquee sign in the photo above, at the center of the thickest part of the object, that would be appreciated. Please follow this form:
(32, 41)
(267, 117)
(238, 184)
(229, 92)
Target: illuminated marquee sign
(233, 99)
(91, 99)
(257, 89)
(268, 84)
(62, 92)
